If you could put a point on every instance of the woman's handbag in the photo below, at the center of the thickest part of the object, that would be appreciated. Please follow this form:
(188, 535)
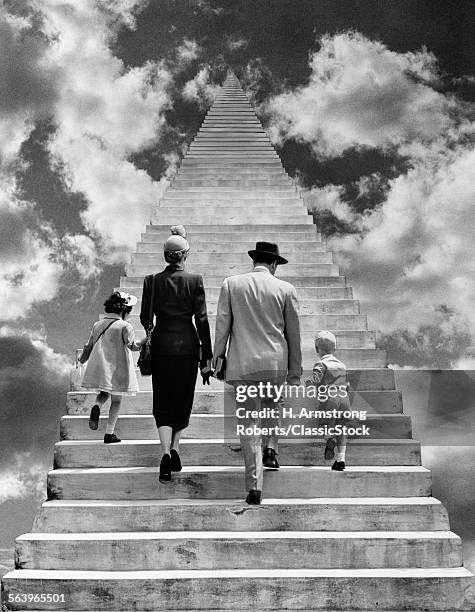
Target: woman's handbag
(144, 361)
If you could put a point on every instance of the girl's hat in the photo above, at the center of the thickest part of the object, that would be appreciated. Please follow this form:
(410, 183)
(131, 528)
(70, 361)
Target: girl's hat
(177, 241)
(129, 300)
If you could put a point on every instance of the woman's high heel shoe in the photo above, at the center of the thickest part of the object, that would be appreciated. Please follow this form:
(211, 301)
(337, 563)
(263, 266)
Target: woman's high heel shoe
(165, 469)
(175, 461)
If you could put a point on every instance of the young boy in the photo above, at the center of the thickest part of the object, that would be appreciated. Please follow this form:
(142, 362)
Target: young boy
(331, 371)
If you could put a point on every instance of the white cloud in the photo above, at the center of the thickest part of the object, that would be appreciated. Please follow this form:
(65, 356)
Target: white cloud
(411, 257)
(188, 51)
(328, 198)
(416, 251)
(361, 94)
(200, 89)
(104, 112)
(234, 43)
(22, 479)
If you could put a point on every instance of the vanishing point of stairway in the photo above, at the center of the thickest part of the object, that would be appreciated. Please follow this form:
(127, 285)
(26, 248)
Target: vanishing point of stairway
(110, 537)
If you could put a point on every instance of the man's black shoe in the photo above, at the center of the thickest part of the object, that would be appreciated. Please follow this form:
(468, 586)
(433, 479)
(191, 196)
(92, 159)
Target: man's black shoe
(175, 464)
(165, 469)
(330, 449)
(111, 439)
(269, 460)
(254, 498)
(94, 417)
(338, 466)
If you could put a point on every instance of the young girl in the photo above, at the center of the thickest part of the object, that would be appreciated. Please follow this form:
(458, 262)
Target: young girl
(110, 370)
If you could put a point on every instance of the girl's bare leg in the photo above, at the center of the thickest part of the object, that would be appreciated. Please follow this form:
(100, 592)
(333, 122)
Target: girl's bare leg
(113, 413)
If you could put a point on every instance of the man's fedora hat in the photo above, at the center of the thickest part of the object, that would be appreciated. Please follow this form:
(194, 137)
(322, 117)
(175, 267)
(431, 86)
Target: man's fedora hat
(267, 248)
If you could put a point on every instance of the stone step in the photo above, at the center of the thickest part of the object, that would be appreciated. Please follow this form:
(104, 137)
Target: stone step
(218, 426)
(234, 129)
(390, 589)
(231, 257)
(323, 295)
(184, 182)
(306, 307)
(201, 234)
(253, 146)
(233, 156)
(212, 402)
(364, 379)
(360, 379)
(227, 269)
(314, 323)
(178, 216)
(207, 550)
(309, 282)
(322, 514)
(221, 482)
(136, 453)
(223, 204)
(152, 244)
(280, 195)
(352, 357)
(232, 173)
(222, 159)
(206, 136)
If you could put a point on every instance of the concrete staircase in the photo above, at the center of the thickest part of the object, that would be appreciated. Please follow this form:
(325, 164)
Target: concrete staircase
(110, 537)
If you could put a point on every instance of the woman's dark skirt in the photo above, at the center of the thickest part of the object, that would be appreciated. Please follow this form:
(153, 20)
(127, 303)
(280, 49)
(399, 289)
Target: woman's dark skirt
(173, 382)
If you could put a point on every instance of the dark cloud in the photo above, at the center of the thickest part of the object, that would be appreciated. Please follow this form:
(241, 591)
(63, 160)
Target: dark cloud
(25, 85)
(32, 397)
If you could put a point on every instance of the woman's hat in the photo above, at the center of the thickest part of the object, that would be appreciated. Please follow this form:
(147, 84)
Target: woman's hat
(267, 248)
(177, 241)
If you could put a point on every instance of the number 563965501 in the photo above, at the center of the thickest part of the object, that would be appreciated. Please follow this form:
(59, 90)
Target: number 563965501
(36, 598)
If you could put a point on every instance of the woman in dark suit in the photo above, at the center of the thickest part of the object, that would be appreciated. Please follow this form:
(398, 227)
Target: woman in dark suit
(178, 296)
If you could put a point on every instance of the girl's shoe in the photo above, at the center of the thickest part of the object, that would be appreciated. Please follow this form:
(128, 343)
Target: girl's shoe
(94, 417)
(175, 464)
(165, 469)
(111, 438)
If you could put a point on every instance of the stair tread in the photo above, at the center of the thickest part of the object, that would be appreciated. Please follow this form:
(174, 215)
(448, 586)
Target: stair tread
(240, 535)
(193, 469)
(455, 572)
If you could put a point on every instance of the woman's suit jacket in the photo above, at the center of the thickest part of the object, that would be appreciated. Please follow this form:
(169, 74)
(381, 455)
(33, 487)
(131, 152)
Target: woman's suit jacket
(179, 295)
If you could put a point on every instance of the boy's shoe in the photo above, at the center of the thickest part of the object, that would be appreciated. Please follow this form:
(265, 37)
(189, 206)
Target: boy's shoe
(330, 449)
(175, 464)
(111, 439)
(94, 417)
(254, 498)
(338, 466)
(165, 469)
(269, 460)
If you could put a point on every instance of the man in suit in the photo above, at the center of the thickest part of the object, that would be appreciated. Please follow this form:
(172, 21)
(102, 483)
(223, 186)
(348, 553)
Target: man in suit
(257, 320)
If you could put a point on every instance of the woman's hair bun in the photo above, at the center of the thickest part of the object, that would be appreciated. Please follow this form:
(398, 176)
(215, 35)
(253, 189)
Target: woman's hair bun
(178, 230)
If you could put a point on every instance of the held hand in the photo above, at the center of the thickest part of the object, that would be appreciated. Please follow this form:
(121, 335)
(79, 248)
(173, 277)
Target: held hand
(293, 380)
(206, 371)
(206, 376)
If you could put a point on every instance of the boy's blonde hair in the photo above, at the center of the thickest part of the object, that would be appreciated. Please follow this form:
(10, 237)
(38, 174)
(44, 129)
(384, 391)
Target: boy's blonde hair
(325, 342)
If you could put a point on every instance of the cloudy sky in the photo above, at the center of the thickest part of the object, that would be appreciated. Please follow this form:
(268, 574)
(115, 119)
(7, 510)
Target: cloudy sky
(370, 104)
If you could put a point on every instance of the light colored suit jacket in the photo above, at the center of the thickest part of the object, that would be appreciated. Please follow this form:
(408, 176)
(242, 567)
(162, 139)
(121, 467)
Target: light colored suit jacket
(258, 314)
